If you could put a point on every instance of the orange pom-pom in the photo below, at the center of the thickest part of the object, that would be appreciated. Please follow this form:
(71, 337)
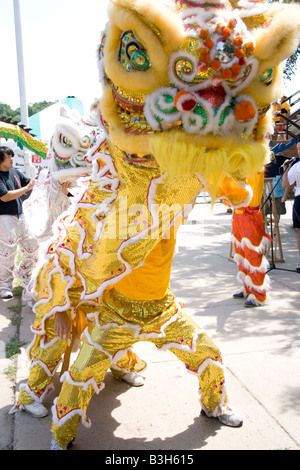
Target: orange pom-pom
(244, 111)
(226, 32)
(204, 33)
(209, 43)
(238, 41)
(216, 64)
(239, 53)
(236, 68)
(205, 58)
(204, 68)
(226, 74)
(249, 46)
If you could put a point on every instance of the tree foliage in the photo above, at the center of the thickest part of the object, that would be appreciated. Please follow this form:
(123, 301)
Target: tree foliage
(291, 65)
(7, 114)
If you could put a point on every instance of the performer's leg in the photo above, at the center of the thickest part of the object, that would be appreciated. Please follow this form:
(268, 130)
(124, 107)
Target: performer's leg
(128, 368)
(29, 251)
(47, 348)
(46, 354)
(8, 251)
(239, 254)
(250, 243)
(184, 338)
(255, 284)
(242, 272)
(101, 347)
(160, 322)
(296, 224)
(254, 277)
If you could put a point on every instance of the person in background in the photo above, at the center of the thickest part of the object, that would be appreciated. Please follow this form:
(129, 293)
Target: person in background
(285, 111)
(280, 107)
(13, 230)
(274, 170)
(276, 119)
(279, 195)
(291, 177)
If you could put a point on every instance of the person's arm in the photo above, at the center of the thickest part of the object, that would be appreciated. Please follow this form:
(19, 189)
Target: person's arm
(64, 187)
(285, 196)
(15, 193)
(62, 325)
(285, 180)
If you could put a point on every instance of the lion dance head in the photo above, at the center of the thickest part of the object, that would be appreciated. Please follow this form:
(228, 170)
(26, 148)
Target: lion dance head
(191, 83)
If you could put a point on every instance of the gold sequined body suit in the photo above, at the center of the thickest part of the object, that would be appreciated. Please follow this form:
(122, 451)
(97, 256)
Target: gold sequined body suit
(138, 306)
(128, 285)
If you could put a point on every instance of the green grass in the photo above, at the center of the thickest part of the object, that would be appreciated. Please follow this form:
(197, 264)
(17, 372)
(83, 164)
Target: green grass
(17, 291)
(13, 347)
(11, 371)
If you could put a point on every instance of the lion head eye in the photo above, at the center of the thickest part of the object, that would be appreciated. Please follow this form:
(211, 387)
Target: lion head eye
(64, 141)
(267, 77)
(101, 47)
(132, 54)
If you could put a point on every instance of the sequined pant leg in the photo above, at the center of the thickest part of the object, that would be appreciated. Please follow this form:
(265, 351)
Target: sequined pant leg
(29, 251)
(46, 356)
(8, 249)
(102, 346)
(252, 276)
(249, 244)
(80, 383)
(201, 357)
(14, 233)
(47, 349)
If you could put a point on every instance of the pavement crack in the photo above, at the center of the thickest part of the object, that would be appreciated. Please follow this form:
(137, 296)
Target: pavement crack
(271, 415)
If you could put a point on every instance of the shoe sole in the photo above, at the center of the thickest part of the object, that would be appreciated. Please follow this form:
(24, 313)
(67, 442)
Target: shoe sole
(226, 423)
(133, 384)
(35, 416)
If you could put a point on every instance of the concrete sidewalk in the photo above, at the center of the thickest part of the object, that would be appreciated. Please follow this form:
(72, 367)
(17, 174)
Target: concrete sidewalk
(261, 347)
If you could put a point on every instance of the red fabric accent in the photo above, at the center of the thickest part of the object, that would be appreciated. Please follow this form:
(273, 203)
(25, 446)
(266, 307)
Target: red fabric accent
(18, 182)
(248, 224)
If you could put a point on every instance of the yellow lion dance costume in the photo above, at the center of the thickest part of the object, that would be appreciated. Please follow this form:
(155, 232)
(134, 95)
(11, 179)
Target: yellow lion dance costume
(186, 106)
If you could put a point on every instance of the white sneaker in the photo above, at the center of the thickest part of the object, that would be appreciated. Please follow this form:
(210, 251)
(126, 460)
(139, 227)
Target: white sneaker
(231, 418)
(35, 409)
(6, 294)
(252, 303)
(228, 418)
(134, 379)
(54, 445)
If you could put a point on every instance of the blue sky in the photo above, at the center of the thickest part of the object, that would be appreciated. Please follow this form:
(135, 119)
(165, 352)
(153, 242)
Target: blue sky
(60, 39)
